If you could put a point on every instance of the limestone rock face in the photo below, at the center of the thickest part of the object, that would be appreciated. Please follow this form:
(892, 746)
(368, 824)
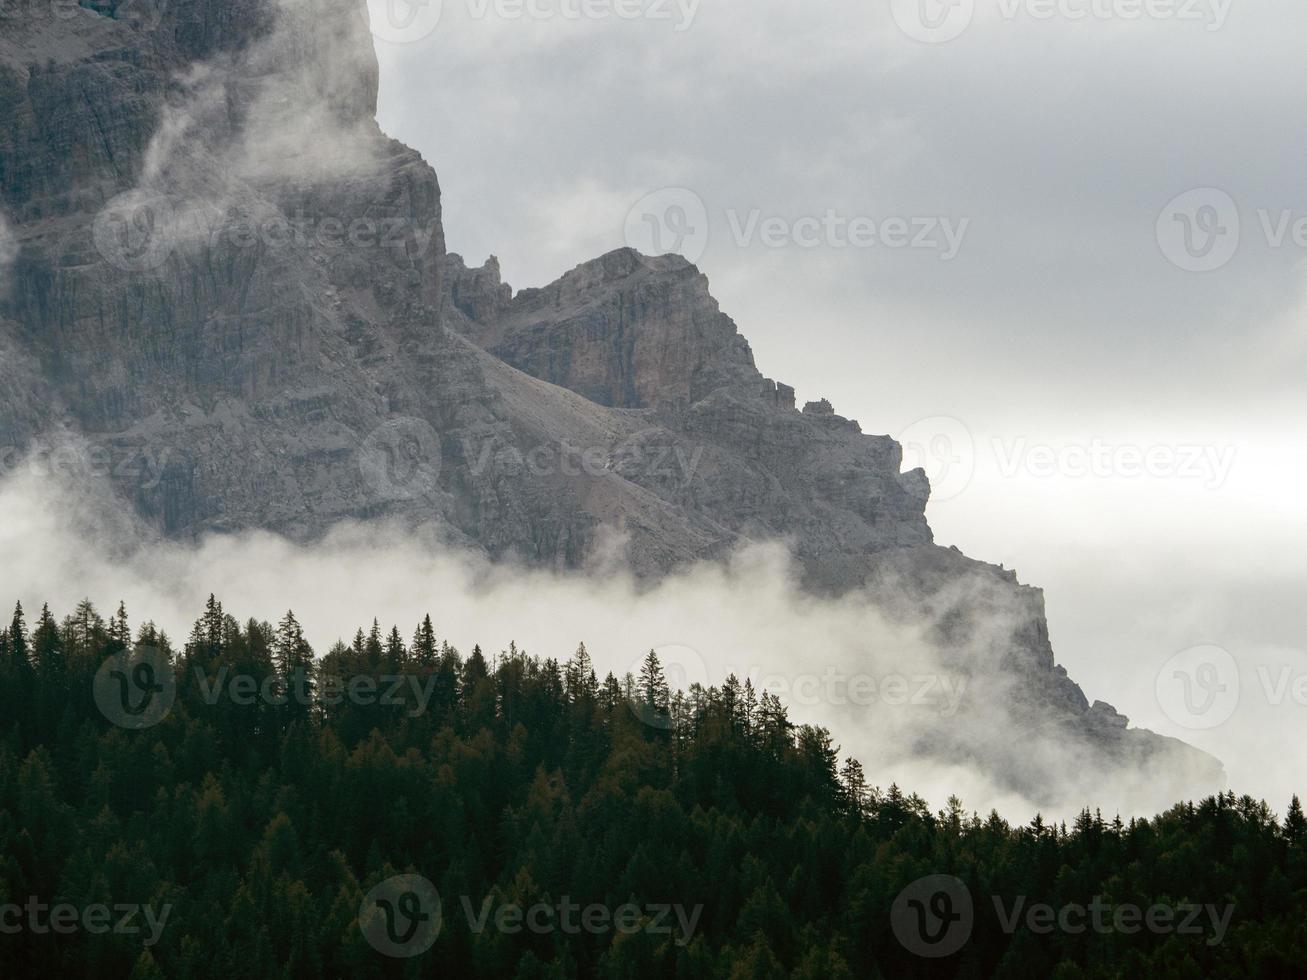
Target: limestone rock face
(210, 254)
(624, 330)
(196, 271)
(709, 435)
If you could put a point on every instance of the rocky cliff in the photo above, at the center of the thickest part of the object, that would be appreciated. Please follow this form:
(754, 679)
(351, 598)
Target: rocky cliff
(215, 257)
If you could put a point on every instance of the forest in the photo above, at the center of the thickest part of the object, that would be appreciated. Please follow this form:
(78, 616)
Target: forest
(238, 805)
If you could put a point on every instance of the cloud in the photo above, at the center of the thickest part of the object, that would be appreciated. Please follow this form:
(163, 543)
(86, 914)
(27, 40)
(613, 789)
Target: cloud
(245, 133)
(272, 144)
(297, 104)
(1060, 320)
(793, 110)
(813, 112)
(861, 668)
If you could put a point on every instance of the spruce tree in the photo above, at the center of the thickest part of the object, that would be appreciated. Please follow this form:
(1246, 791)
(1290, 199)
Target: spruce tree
(424, 643)
(19, 649)
(653, 690)
(1295, 824)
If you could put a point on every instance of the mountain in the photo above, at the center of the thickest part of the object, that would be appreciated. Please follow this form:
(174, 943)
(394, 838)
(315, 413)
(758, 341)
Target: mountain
(218, 262)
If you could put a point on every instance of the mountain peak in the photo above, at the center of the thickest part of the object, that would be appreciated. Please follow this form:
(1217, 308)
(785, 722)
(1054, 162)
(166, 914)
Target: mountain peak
(624, 330)
(225, 263)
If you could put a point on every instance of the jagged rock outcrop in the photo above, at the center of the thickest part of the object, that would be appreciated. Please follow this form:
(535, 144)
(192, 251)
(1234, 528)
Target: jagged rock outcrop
(625, 330)
(710, 435)
(219, 257)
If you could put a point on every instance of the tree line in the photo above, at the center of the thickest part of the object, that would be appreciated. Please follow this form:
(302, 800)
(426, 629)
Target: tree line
(261, 813)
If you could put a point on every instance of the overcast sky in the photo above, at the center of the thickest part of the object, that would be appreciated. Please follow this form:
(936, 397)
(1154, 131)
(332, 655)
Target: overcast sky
(1102, 265)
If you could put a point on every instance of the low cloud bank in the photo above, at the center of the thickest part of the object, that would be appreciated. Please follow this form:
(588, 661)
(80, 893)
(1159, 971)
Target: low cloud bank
(877, 683)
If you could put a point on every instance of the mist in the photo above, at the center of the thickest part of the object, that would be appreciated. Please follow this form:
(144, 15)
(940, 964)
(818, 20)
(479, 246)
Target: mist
(1101, 412)
(851, 665)
(293, 109)
(748, 616)
(302, 89)
(1059, 323)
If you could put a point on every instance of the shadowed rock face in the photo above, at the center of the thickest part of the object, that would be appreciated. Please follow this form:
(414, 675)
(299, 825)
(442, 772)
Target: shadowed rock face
(707, 434)
(624, 330)
(220, 260)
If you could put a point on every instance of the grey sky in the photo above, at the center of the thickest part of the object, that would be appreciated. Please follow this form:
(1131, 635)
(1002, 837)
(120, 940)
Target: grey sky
(1059, 326)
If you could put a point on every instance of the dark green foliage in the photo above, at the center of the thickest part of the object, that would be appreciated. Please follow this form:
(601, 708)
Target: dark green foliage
(264, 824)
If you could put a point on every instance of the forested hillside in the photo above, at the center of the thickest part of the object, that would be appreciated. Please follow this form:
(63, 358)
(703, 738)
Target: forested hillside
(267, 813)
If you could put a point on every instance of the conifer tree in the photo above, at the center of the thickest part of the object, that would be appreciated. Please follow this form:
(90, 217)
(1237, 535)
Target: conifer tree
(424, 644)
(1295, 824)
(855, 786)
(293, 661)
(47, 649)
(652, 686)
(19, 652)
(396, 652)
(475, 669)
(119, 630)
(373, 649)
(581, 684)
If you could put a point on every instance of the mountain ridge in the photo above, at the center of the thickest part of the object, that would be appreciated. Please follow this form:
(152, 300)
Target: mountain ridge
(220, 254)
